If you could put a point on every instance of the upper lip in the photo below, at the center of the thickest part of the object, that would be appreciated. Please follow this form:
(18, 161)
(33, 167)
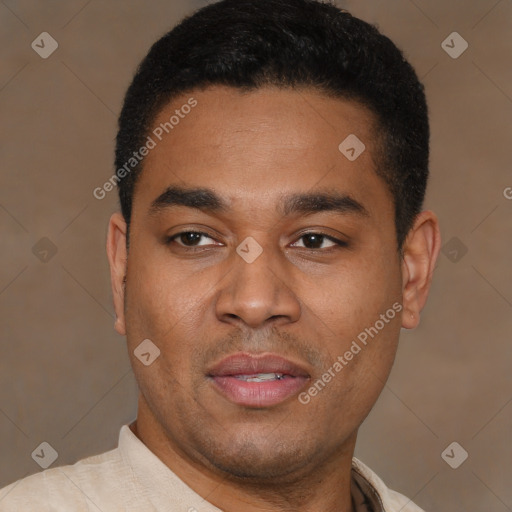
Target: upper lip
(250, 364)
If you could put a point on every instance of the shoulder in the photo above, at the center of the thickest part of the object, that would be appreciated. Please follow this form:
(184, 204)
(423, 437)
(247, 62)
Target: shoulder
(72, 487)
(392, 501)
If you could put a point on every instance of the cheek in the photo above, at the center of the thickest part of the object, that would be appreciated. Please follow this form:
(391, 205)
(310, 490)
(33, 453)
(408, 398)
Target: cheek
(158, 309)
(158, 295)
(353, 297)
(359, 370)
(360, 324)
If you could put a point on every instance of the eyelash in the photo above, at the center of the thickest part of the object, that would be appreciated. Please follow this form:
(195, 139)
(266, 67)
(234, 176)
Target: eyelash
(339, 243)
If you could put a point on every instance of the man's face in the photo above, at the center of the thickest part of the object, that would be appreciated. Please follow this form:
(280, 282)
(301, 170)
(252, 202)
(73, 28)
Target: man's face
(304, 299)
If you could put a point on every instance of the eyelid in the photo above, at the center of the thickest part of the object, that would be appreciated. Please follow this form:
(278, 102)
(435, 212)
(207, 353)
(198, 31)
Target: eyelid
(172, 238)
(337, 241)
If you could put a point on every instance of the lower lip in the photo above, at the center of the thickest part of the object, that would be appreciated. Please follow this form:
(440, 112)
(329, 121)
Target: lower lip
(259, 394)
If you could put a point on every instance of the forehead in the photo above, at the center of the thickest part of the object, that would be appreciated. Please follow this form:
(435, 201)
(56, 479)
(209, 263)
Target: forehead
(261, 144)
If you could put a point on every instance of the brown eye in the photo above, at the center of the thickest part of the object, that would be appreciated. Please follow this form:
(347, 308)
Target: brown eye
(189, 238)
(318, 241)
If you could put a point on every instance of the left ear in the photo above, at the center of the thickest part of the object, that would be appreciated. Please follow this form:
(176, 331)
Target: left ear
(420, 251)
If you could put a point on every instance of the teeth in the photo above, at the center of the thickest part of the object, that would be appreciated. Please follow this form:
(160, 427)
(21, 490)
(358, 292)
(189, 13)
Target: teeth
(260, 377)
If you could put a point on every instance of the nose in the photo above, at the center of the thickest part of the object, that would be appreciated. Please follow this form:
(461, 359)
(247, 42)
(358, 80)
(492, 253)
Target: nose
(258, 293)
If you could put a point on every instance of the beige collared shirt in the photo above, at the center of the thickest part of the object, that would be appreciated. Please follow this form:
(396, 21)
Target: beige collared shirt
(131, 478)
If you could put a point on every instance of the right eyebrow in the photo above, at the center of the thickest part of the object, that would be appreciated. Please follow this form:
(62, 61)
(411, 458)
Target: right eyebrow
(203, 199)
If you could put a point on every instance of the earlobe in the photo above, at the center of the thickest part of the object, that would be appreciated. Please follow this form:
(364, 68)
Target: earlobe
(117, 257)
(420, 252)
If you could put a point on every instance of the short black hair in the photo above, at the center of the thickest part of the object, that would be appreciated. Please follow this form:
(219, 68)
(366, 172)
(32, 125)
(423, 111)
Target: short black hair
(249, 44)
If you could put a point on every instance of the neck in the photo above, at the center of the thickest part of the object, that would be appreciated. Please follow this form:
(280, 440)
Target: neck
(323, 487)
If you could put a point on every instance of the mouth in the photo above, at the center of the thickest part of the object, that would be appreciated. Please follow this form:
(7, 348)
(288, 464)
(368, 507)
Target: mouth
(257, 381)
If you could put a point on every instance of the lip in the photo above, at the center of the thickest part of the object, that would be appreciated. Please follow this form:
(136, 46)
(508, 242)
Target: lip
(224, 374)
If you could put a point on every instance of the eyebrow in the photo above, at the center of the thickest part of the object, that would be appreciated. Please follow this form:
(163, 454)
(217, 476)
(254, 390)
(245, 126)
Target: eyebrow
(201, 198)
(208, 201)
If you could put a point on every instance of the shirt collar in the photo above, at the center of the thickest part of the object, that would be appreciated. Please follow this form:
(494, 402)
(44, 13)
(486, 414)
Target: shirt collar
(162, 486)
(364, 496)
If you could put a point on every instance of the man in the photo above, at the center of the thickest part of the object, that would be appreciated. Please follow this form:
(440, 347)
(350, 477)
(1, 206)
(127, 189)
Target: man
(272, 160)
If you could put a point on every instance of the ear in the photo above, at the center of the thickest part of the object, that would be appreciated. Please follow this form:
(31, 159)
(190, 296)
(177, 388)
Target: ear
(420, 252)
(117, 258)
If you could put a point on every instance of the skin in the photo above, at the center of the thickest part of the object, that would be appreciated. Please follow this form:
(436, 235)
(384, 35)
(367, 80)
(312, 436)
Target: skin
(306, 303)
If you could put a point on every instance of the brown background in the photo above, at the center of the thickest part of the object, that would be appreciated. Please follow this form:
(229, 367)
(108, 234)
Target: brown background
(65, 376)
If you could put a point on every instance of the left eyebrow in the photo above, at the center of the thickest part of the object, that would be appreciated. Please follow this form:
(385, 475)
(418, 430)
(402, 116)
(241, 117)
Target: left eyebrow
(208, 201)
(311, 203)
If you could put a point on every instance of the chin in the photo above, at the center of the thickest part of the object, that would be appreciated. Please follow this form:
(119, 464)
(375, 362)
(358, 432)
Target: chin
(253, 461)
